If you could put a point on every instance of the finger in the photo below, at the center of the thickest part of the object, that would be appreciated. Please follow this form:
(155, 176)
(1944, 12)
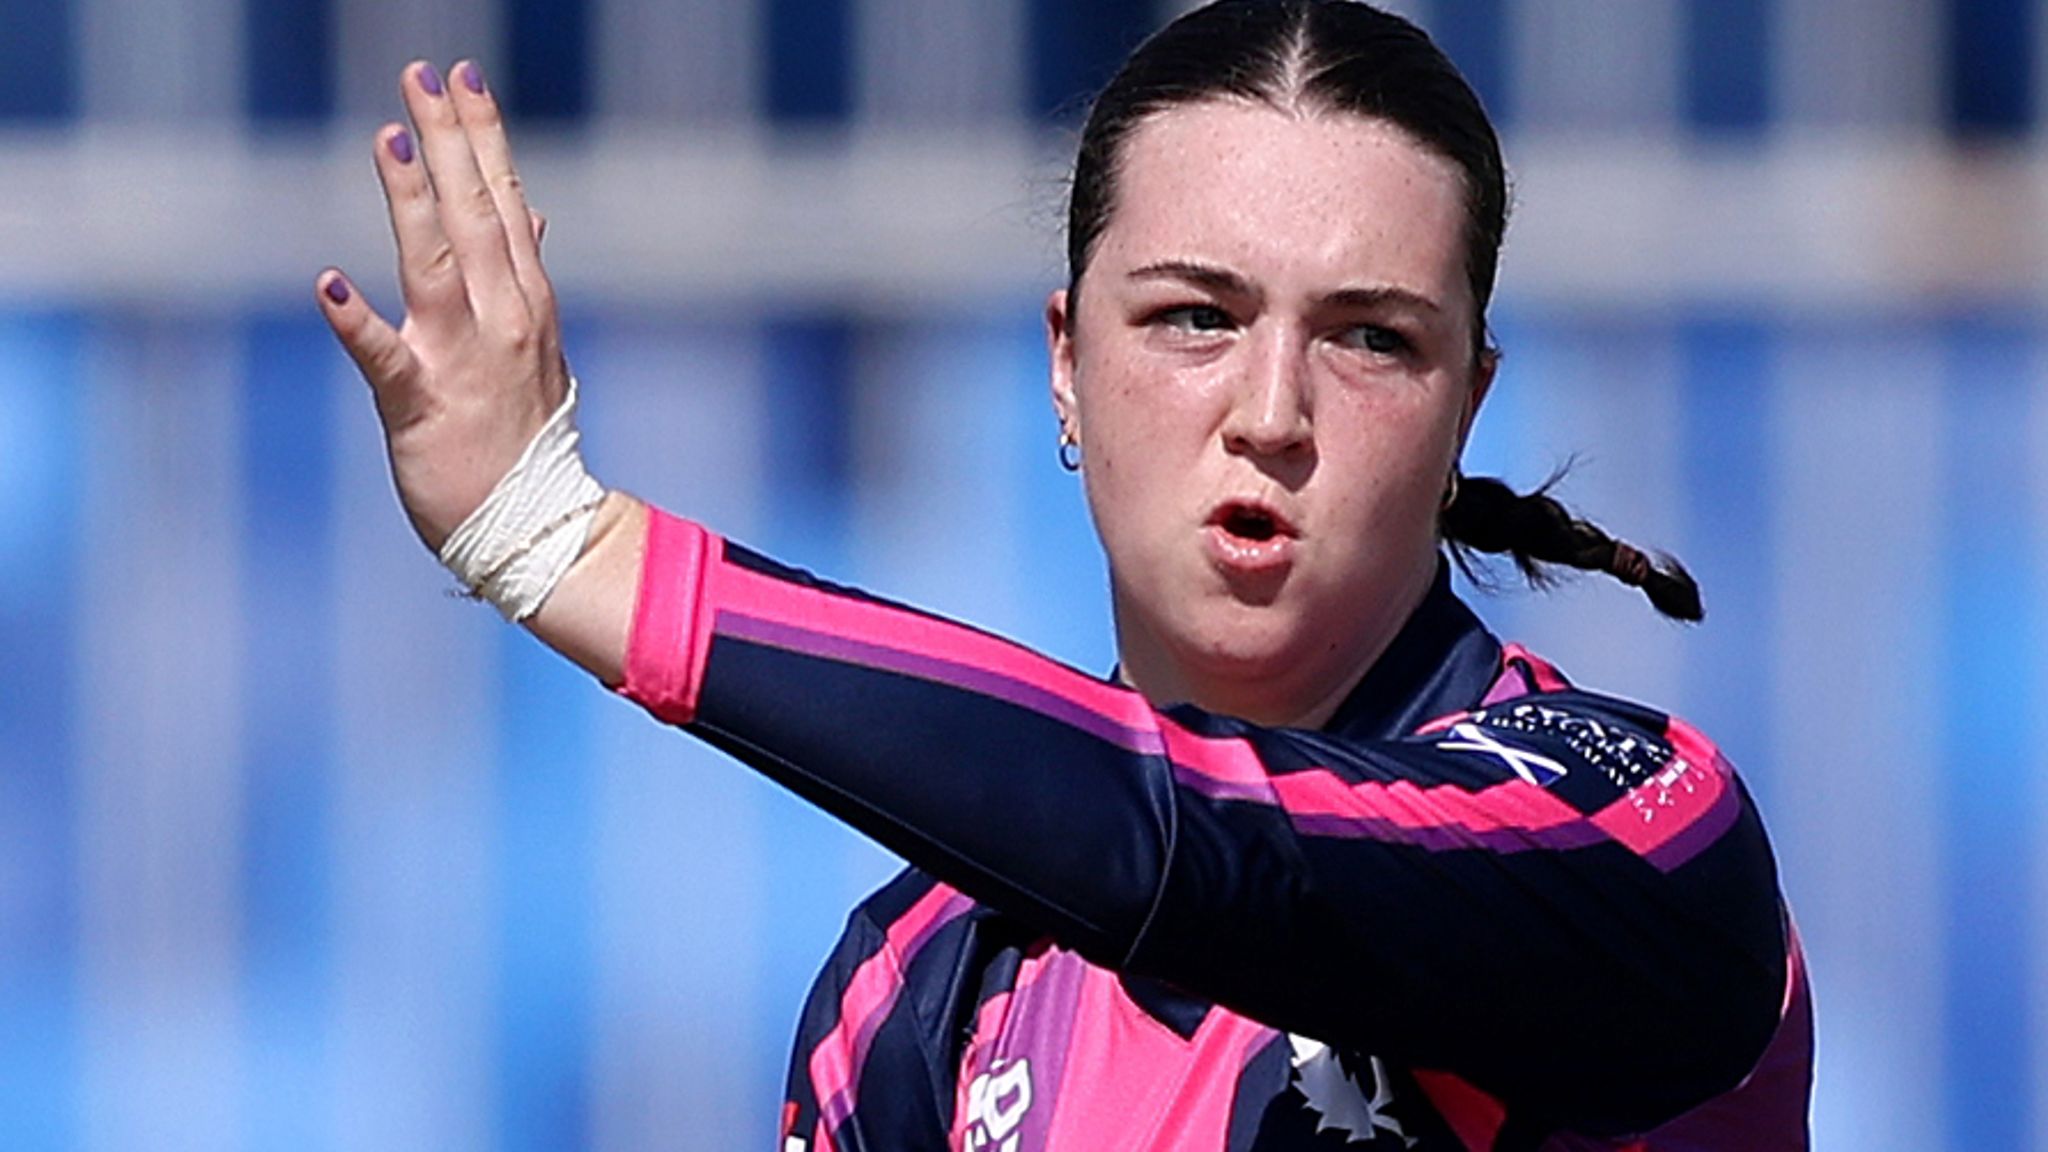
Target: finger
(477, 109)
(468, 213)
(428, 273)
(382, 356)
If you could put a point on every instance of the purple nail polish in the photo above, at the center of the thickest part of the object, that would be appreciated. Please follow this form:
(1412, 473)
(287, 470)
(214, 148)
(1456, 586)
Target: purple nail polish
(401, 146)
(473, 77)
(430, 80)
(337, 290)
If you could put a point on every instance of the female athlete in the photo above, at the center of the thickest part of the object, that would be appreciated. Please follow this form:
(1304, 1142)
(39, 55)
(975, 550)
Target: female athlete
(1325, 864)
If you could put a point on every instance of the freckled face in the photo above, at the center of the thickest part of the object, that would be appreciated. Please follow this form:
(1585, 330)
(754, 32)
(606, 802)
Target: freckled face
(1270, 371)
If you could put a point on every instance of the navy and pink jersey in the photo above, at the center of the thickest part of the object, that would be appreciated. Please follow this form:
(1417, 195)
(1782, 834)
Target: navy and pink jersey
(1479, 909)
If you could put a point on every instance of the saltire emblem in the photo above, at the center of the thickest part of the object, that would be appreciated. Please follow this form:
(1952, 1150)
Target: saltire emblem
(1537, 769)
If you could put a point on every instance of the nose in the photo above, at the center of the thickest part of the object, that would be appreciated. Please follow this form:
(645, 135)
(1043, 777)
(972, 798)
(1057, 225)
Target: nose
(1270, 414)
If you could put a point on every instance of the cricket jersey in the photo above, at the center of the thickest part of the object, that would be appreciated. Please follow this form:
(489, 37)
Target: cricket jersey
(1479, 909)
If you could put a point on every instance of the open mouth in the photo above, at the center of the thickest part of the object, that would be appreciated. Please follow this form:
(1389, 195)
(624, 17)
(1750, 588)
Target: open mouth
(1247, 539)
(1253, 522)
(1250, 524)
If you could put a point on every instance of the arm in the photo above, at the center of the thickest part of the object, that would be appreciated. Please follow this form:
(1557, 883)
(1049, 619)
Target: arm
(1405, 898)
(1398, 897)
(475, 369)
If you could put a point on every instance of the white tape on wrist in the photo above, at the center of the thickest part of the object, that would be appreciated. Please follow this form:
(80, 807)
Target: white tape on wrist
(524, 537)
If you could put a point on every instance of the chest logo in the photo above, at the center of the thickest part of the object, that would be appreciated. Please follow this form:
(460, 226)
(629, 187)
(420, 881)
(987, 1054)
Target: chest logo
(1338, 1100)
(996, 1103)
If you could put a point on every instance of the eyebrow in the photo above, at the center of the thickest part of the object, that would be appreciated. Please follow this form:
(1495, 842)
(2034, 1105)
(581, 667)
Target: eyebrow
(1207, 275)
(1224, 280)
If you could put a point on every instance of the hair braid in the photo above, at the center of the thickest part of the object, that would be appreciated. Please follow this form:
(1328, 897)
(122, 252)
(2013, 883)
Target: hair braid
(1536, 531)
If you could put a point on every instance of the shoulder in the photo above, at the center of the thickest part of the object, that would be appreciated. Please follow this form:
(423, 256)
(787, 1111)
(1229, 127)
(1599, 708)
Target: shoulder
(869, 1067)
(1625, 743)
(1637, 773)
(901, 919)
(1531, 703)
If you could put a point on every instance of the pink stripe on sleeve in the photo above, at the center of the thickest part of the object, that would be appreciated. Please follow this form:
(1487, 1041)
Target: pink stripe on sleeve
(1512, 816)
(671, 624)
(1224, 767)
(883, 635)
(1670, 817)
(1511, 804)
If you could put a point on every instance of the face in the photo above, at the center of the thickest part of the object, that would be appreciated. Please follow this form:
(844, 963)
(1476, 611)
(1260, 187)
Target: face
(1270, 371)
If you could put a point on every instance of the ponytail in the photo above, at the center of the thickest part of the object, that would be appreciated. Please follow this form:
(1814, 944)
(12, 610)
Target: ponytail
(1536, 531)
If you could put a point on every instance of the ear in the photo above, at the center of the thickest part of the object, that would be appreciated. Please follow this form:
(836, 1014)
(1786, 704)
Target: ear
(1059, 343)
(1483, 369)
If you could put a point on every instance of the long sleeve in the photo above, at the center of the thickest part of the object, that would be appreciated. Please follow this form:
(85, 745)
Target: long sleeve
(1565, 901)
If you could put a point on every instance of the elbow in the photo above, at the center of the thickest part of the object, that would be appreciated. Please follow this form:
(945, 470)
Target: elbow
(1682, 1044)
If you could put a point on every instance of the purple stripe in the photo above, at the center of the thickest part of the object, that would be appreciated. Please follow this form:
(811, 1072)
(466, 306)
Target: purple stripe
(955, 906)
(1046, 1032)
(840, 1106)
(1145, 741)
(1445, 838)
(1206, 785)
(1702, 831)
(1510, 684)
(835, 1111)
(1442, 838)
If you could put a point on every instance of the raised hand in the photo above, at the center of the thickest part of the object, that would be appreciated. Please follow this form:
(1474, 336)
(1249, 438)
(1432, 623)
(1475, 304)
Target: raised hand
(476, 367)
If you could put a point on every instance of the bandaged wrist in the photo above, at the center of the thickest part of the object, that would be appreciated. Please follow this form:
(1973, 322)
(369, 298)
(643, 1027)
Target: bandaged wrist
(524, 537)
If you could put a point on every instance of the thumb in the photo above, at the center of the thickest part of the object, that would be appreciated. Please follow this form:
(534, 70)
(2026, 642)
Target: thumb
(382, 356)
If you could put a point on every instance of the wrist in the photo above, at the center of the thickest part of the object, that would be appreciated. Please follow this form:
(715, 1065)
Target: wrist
(516, 546)
(589, 618)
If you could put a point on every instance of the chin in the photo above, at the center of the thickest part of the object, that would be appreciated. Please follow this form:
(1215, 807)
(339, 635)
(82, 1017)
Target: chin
(1249, 640)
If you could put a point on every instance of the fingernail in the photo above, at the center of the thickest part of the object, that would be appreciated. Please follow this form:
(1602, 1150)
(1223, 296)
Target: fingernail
(337, 290)
(401, 146)
(430, 80)
(473, 77)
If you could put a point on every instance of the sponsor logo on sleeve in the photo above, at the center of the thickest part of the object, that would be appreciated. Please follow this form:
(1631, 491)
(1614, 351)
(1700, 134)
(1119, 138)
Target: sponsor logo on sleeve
(1626, 758)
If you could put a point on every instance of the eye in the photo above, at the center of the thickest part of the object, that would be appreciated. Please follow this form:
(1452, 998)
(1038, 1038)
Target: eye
(1197, 318)
(1376, 339)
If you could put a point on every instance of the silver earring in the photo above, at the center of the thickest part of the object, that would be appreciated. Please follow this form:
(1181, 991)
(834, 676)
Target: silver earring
(1450, 492)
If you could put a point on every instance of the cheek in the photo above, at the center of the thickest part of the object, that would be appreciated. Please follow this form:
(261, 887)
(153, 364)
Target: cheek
(1137, 426)
(1401, 462)
(1140, 449)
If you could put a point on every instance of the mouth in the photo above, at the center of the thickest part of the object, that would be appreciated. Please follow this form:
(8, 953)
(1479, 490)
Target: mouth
(1251, 521)
(1247, 538)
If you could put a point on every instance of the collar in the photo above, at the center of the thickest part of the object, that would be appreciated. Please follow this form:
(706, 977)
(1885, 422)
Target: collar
(1442, 661)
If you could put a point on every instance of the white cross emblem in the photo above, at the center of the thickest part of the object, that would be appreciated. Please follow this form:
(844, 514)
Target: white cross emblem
(1541, 771)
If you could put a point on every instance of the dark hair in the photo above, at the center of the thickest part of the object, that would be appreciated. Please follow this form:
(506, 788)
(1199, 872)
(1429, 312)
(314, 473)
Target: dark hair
(1347, 56)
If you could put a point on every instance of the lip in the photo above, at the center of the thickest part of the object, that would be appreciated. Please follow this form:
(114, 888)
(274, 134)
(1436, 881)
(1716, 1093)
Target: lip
(1243, 555)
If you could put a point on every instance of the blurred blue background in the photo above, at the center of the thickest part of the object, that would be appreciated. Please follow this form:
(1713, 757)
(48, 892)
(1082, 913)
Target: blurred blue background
(298, 852)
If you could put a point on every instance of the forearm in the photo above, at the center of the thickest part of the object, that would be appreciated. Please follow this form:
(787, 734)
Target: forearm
(1369, 889)
(589, 616)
